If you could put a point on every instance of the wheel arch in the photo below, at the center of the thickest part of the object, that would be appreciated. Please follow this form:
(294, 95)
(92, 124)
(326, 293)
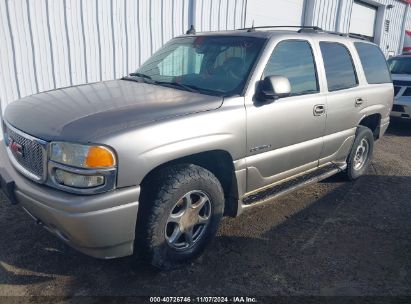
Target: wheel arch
(218, 162)
(373, 122)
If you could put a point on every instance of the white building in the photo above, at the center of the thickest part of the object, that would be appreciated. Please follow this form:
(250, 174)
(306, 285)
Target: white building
(48, 44)
(381, 21)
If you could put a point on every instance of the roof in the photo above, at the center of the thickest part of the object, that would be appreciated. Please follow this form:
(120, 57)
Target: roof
(268, 32)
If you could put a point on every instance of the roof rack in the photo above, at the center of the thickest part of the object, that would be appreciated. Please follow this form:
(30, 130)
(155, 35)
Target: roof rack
(305, 29)
(361, 37)
(347, 35)
(301, 27)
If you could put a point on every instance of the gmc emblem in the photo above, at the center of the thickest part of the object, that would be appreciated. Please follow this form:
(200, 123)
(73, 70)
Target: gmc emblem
(15, 147)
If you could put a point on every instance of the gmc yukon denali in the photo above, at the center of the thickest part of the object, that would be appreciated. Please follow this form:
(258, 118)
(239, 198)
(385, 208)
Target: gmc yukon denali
(211, 125)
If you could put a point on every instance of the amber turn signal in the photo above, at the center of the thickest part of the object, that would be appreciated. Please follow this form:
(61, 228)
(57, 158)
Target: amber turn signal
(99, 157)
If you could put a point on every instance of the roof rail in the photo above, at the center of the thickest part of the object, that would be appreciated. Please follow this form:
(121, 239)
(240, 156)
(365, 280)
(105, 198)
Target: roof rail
(305, 29)
(253, 28)
(347, 35)
(361, 37)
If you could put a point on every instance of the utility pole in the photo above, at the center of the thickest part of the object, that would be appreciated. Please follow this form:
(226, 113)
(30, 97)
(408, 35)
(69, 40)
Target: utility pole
(192, 12)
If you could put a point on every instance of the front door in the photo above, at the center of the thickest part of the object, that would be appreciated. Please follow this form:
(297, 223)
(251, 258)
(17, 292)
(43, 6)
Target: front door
(285, 137)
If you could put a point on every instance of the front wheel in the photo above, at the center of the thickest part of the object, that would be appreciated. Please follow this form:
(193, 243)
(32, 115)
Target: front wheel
(361, 153)
(185, 210)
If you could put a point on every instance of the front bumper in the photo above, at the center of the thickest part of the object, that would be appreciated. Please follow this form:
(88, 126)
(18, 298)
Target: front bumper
(101, 225)
(402, 108)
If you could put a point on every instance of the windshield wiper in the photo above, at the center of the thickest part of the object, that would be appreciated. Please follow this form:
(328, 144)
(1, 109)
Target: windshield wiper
(147, 79)
(189, 87)
(179, 85)
(204, 90)
(140, 75)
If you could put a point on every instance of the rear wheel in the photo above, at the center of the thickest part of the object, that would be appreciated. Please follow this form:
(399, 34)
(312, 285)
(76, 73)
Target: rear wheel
(361, 153)
(182, 215)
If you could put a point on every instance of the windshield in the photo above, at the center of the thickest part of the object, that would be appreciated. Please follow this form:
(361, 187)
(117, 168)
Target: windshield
(216, 65)
(400, 65)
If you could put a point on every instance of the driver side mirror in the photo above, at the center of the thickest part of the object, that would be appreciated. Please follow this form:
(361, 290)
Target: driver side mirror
(273, 88)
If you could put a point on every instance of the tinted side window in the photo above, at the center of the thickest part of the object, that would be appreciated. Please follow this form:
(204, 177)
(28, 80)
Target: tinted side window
(339, 67)
(294, 59)
(373, 63)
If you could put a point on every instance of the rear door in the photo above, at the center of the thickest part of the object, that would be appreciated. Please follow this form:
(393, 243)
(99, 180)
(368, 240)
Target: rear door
(345, 100)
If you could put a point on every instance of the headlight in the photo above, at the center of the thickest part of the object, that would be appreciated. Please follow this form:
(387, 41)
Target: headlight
(82, 169)
(82, 156)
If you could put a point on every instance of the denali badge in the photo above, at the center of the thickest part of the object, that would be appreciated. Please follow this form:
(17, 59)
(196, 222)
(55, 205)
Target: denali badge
(15, 147)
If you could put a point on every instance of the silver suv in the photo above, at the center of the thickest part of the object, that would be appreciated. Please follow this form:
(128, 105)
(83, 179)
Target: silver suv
(211, 125)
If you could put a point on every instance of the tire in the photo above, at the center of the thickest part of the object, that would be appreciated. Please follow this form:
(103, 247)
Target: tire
(181, 196)
(361, 153)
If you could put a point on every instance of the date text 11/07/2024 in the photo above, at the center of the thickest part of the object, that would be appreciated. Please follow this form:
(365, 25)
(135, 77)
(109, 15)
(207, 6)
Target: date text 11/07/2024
(203, 300)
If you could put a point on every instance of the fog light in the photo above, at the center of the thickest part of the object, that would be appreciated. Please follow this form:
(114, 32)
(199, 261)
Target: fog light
(78, 181)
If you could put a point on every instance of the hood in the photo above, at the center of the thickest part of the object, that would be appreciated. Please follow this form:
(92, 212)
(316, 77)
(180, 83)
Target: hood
(86, 112)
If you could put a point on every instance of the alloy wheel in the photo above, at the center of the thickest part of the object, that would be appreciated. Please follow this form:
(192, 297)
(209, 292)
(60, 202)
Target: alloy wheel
(188, 220)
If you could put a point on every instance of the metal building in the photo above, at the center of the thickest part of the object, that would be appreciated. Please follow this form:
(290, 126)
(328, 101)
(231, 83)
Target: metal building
(49, 44)
(381, 21)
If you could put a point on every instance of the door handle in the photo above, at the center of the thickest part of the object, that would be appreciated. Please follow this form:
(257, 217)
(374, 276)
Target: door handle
(319, 110)
(358, 101)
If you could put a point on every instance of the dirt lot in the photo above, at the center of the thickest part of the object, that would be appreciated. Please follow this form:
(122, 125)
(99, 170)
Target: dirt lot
(332, 238)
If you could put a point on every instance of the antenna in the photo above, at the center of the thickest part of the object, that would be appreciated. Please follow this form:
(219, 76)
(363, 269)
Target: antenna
(191, 31)
(251, 29)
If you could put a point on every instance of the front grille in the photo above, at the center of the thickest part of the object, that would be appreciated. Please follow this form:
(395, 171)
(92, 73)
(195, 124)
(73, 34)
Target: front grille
(407, 92)
(28, 152)
(397, 89)
(398, 108)
(402, 83)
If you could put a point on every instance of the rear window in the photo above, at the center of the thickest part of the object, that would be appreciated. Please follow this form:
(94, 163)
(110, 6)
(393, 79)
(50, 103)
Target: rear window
(339, 67)
(373, 63)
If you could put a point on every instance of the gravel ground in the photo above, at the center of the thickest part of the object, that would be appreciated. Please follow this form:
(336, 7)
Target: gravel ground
(331, 238)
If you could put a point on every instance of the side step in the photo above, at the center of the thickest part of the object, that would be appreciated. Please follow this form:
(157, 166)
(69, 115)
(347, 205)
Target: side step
(279, 189)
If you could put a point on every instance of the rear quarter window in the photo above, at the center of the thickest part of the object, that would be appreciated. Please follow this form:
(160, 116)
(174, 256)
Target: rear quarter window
(373, 62)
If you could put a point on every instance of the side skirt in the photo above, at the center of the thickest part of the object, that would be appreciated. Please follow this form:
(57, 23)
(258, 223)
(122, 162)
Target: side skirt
(273, 191)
